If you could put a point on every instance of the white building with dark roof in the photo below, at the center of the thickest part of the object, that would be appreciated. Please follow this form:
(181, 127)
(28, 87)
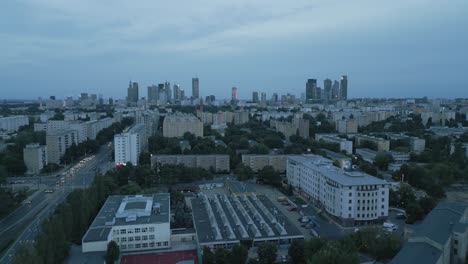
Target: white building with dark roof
(137, 222)
(350, 197)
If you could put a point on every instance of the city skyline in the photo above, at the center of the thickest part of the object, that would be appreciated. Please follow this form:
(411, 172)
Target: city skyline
(397, 49)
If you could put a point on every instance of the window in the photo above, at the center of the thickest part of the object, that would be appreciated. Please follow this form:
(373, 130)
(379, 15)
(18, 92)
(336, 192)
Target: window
(137, 230)
(117, 240)
(455, 251)
(151, 244)
(144, 230)
(137, 245)
(383, 199)
(383, 206)
(123, 246)
(455, 242)
(358, 201)
(144, 245)
(159, 244)
(349, 215)
(130, 231)
(130, 246)
(151, 237)
(151, 229)
(130, 239)
(166, 243)
(381, 213)
(350, 201)
(383, 192)
(137, 238)
(123, 231)
(350, 194)
(358, 215)
(124, 239)
(144, 238)
(349, 208)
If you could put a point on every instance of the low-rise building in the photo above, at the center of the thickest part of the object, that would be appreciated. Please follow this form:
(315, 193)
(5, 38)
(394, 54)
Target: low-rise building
(258, 161)
(135, 223)
(350, 197)
(222, 221)
(347, 126)
(35, 158)
(216, 162)
(442, 238)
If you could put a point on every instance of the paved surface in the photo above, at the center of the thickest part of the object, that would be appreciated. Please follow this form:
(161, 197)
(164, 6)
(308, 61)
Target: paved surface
(171, 257)
(23, 225)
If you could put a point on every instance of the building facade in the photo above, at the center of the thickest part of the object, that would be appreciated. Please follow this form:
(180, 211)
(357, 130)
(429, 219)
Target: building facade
(350, 197)
(135, 223)
(257, 161)
(177, 125)
(57, 143)
(128, 146)
(214, 162)
(35, 158)
(13, 123)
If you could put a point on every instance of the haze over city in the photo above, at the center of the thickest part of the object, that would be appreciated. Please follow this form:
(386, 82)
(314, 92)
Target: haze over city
(391, 49)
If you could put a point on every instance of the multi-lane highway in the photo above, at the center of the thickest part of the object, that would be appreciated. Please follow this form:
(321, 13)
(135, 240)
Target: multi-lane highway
(23, 225)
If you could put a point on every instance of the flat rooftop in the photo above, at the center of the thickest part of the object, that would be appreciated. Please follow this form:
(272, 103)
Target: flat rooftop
(122, 210)
(230, 218)
(327, 169)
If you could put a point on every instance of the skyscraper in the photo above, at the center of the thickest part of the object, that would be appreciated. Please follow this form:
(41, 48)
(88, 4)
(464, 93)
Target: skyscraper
(195, 88)
(153, 93)
(132, 92)
(263, 98)
(234, 95)
(327, 89)
(344, 87)
(176, 89)
(255, 97)
(274, 98)
(336, 90)
(167, 90)
(311, 87)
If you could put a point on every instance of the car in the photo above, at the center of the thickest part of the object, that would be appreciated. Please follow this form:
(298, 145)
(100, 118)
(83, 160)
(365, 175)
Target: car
(49, 191)
(308, 226)
(292, 209)
(400, 216)
(28, 202)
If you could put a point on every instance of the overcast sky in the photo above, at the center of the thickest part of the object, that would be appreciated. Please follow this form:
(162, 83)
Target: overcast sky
(399, 48)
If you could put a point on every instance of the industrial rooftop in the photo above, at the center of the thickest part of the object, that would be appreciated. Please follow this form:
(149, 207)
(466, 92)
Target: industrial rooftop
(223, 218)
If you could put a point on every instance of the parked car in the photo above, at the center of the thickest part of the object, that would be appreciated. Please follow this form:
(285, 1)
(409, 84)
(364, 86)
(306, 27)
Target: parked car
(390, 226)
(292, 209)
(400, 216)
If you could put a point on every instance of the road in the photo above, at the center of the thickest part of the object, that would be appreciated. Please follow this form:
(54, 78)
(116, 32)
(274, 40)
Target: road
(23, 225)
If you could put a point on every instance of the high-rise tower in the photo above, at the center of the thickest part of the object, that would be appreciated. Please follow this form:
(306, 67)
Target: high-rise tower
(195, 88)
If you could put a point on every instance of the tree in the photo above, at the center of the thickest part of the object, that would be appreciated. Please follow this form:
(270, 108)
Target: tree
(382, 160)
(414, 212)
(427, 204)
(208, 256)
(243, 172)
(221, 256)
(334, 252)
(238, 255)
(26, 255)
(296, 252)
(113, 252)
(267, 253)
(312, 246)
(268, 175)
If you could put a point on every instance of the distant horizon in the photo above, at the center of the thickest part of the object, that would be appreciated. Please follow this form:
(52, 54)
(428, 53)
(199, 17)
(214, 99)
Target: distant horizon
(388, 49)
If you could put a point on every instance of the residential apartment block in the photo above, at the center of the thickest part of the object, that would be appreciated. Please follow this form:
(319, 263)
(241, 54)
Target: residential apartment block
(176, 125)
(345, 145)
(129, 145)
(350, 197)
(257, 161)
(58, 142)
(216, 162)
(381, 144)
(13, 123)
(35, 158)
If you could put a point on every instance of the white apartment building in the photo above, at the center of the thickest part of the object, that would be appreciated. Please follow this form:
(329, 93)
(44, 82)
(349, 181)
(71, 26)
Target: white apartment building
(135, 223)
(35, 158)
(13, 123)
(345, 145)
(129, 145)
(347, 126)
(216, 162)
(350, 197)
(381, 144)
(58, 141)
(177, 125)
